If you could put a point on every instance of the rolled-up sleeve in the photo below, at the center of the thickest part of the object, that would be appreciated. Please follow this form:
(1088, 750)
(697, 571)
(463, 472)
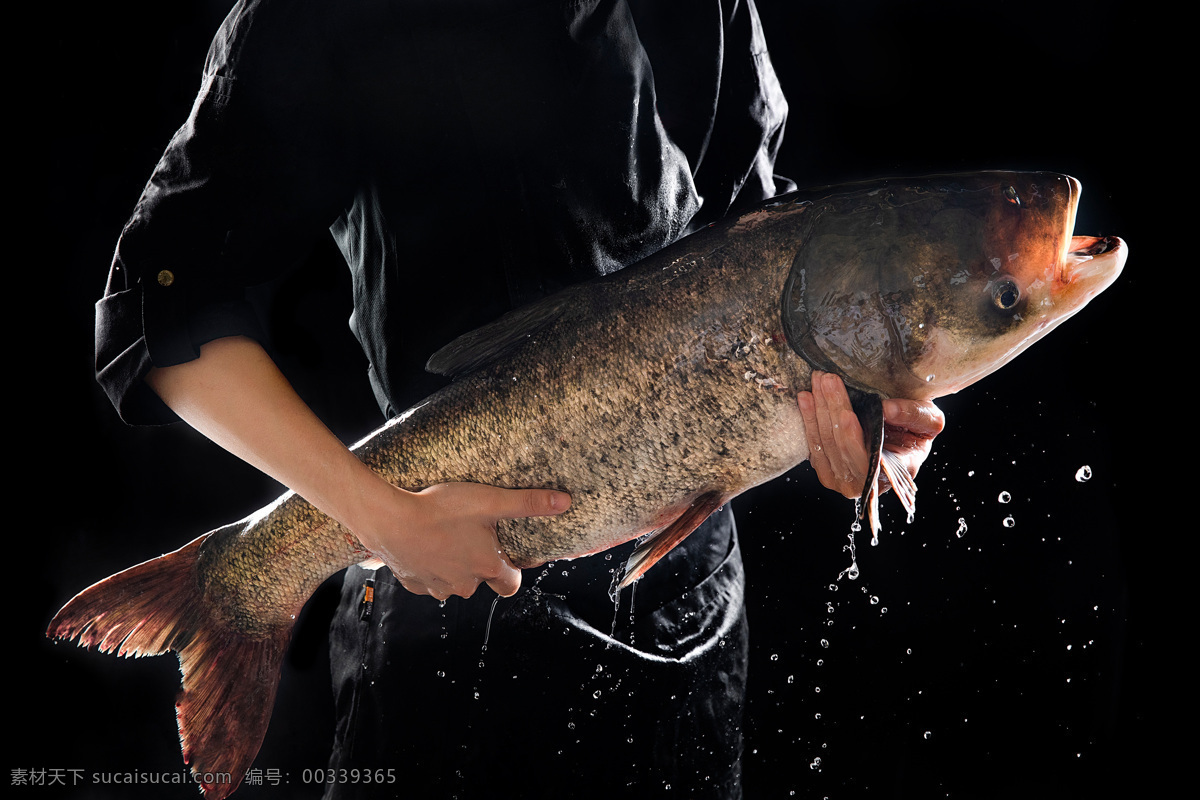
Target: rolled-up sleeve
(261, 167)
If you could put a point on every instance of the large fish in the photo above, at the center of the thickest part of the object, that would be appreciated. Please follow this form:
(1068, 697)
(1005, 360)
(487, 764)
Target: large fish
(653, 396)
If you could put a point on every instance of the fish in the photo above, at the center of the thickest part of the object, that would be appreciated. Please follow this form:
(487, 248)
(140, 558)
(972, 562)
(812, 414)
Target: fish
(652, 395)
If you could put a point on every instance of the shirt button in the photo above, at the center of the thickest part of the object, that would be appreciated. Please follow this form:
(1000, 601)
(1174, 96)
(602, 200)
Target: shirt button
(166, 277)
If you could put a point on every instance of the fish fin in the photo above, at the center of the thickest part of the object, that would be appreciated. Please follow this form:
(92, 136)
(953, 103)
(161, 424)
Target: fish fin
(902, 482)
(869, 409)
(229, 678)
(486, 344)
(659, 543)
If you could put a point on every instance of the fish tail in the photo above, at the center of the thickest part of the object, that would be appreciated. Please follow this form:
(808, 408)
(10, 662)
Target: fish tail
(229, 678)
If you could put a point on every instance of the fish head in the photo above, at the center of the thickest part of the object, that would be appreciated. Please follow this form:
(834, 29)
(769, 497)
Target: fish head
(919, 287)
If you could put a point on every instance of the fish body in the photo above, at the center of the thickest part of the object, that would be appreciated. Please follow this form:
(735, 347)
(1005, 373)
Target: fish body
(652, 395)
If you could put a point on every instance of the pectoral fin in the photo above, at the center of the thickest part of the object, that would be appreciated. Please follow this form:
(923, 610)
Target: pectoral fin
(869, 409)
(659, 543)
(902, 482)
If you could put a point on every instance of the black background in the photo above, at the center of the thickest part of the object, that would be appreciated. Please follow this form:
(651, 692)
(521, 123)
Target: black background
(1010, 662)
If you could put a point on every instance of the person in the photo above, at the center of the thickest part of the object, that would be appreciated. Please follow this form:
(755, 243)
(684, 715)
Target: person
(468, 157)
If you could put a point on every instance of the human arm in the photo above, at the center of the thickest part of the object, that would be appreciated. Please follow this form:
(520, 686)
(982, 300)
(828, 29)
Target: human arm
(440, 541)
(835, 437)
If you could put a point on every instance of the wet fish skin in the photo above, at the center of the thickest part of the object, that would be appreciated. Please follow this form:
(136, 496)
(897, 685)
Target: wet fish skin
(535, 417)
(652, 395)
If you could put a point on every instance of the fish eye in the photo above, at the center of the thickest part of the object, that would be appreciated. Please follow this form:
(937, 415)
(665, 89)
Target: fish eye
(1011, 195)
(1005, 295)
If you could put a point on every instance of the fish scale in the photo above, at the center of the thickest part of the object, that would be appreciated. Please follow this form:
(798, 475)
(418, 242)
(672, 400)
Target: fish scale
(652, 395)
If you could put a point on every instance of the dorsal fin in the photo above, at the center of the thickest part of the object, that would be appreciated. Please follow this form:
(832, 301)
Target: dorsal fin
(486, 344)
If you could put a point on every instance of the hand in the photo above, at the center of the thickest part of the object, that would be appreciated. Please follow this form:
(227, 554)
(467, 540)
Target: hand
(835, 438)
(442, 541)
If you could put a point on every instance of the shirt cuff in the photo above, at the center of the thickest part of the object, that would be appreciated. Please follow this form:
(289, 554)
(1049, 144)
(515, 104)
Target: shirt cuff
(129, 342)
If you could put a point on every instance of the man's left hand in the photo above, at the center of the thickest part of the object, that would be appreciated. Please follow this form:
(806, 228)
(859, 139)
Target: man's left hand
(835, 438)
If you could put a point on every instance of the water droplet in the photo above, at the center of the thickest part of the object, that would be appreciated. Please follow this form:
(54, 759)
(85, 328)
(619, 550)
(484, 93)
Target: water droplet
(1009, 521)
(791, 679)
(874, 600)
(816, 762)
(1004, 497)
(825, 643)
(441, 674)
(817, 689)
(774, 656)
(1084, 473)
(928, 734)
(596, 694)
(962, 527)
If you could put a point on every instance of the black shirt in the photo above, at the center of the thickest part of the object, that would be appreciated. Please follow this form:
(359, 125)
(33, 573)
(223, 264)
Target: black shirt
(468, 155)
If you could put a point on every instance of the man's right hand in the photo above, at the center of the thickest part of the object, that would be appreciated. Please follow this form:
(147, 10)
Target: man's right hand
(442, 541)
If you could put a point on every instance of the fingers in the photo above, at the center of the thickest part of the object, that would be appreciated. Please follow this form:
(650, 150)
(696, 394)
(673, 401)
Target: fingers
(515, 504)
(835, 438)
(922, 419)
(449, 543)
(910, 428)
(508, 581)
(518, 503)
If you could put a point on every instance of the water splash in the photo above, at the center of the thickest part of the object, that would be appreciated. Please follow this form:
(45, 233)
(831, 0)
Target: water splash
(851, 571)
(487, 631)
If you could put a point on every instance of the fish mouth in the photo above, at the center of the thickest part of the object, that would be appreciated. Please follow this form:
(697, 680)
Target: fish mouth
(1094, 259)
(1091, 265)
(1094, 245)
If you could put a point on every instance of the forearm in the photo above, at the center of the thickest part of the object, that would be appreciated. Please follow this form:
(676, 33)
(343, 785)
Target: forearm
(236, 396)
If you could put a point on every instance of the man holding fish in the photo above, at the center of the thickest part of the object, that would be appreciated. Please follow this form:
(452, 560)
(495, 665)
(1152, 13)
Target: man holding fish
(470, 157)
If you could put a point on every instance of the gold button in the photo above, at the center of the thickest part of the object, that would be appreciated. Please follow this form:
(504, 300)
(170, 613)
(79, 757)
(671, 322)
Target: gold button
(166, 278)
